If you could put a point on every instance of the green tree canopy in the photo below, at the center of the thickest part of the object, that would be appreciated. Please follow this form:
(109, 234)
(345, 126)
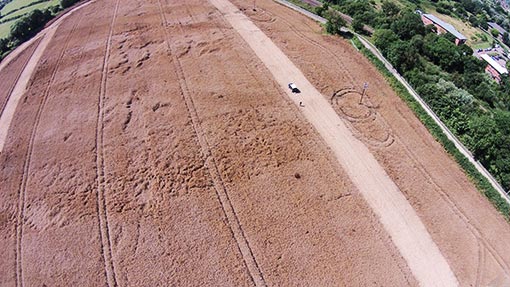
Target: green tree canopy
(485, 139)
(390, 9)
(402, 55)
(443, 52)
(357, 25)
(408, 25)
(383, 38)
(29, 25)
(67, 3)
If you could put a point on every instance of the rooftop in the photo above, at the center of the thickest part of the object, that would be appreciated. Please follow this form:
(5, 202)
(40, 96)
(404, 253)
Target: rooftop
(494, 64)
(446, 26)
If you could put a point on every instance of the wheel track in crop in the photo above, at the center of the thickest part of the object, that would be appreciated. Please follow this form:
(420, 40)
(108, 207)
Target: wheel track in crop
(27, 162)
(229, 212)
(458, 211)
(35, 44)
(101, 210)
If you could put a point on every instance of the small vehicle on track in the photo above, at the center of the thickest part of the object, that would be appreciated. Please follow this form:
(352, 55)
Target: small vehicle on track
(294, 88)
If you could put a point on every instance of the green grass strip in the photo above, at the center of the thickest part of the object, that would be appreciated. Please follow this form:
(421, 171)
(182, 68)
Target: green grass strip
(478, 179)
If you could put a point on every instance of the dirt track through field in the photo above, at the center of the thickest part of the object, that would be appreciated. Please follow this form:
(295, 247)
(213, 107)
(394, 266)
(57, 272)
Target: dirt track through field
(398, 217)
(391, 137)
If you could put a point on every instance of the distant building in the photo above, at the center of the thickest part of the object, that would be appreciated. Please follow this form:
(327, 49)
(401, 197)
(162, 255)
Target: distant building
(443, 27)
(494, 68)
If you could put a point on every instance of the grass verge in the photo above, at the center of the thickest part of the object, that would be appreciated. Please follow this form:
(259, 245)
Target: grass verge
(478, 179)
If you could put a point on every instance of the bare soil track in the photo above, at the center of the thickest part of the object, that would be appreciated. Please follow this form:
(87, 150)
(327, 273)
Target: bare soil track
(11, 73)
(429, 178)
(399, 219)
(153, 148)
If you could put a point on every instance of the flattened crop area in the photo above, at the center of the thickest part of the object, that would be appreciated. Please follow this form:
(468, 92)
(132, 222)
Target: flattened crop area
(152, 147)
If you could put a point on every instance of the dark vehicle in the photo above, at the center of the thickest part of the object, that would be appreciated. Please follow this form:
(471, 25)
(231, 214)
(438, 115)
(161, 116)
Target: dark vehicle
(294, 88)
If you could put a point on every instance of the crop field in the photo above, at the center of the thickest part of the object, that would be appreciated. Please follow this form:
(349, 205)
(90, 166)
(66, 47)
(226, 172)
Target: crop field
(155, 143)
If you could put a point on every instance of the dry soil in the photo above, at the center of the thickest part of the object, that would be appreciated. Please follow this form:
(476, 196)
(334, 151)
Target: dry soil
(153, 147)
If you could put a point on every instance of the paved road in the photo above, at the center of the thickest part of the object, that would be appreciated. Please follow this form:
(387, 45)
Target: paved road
(315, 17)
(417, 97)
(399, 219)
(313, 3)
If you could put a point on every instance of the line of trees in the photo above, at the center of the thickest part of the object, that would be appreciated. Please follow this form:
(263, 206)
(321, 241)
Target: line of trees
(478, 13)
(448, 77)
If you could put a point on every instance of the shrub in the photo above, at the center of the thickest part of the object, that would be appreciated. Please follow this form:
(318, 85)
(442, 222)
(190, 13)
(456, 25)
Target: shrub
(495, 33)
(29, 25)
(335, 22)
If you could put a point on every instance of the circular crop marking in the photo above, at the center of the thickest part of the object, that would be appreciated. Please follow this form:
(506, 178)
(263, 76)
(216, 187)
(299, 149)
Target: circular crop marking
(346, 102)
(361, 117)
(259, 15)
